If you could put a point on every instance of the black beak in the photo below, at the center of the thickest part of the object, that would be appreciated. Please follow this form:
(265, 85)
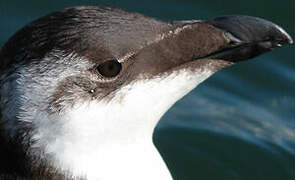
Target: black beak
(248, 36)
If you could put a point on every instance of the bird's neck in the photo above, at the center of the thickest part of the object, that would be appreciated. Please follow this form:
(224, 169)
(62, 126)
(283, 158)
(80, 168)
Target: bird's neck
(105, 141)
(115, 161)
(113, 139)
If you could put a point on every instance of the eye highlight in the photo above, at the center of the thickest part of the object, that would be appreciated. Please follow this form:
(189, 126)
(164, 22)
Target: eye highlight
(109, 68)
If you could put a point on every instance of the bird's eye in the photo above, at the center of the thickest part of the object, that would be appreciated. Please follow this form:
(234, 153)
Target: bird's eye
(109, 68)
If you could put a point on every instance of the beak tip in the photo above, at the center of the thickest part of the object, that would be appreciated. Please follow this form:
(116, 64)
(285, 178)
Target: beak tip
(249, 29)
(252, 29)
(248, 36)
(286, 38)
(290, 40)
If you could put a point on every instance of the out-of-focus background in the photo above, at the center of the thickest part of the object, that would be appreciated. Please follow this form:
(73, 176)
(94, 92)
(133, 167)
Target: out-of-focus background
(240, 123)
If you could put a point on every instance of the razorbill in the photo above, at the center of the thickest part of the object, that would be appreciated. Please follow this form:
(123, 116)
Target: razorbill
(82, 89)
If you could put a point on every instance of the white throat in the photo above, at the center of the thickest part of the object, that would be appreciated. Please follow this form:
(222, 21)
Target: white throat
(111, 140)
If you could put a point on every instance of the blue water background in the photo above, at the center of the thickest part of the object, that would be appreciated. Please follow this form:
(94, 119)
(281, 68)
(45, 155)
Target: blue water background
(238, 124)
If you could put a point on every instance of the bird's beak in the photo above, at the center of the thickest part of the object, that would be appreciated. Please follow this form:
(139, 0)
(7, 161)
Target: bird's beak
(219, 42)
(247, 37)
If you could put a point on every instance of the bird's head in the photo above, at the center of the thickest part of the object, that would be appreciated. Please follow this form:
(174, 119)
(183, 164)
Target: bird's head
(106, 76)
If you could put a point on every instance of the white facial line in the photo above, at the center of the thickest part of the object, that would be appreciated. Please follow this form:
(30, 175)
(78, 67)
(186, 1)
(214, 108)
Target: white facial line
(190, 21)
(127, 56)
(170, 33)
(158, 38)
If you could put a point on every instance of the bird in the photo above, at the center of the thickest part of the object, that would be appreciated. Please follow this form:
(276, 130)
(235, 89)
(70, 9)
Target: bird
(83, 88)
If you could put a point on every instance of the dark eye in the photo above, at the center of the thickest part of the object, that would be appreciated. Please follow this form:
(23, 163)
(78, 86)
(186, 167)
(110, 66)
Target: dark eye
(109, 68)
